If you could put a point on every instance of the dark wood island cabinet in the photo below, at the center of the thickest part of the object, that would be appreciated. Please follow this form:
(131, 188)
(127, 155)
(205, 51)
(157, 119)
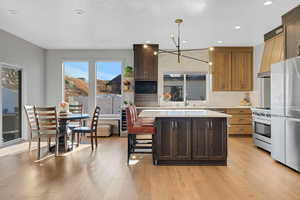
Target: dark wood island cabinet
(195, 139)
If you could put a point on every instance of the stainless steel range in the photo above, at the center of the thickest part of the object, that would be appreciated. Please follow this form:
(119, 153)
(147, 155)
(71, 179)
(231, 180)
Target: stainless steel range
(261, 125)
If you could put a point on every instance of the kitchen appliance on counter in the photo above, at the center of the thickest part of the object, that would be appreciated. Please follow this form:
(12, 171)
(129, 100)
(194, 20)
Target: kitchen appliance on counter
(285, 112)
(261, 126)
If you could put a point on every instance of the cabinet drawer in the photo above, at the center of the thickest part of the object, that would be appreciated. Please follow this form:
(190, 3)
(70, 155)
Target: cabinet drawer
(240, 119)
(239, 111)
(240, 129)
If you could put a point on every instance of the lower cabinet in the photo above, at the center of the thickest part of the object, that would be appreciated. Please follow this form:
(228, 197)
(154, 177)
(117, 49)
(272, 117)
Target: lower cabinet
(209, 139)
(191, 141)
(173, 139)
(182, 139)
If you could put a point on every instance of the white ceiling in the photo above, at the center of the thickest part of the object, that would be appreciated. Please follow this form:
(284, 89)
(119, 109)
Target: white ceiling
(117, 24)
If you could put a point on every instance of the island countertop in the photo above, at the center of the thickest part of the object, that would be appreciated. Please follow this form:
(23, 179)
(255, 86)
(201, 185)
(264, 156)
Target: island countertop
(182, 113)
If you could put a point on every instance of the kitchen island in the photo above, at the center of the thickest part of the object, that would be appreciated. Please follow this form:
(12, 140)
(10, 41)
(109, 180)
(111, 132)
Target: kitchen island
(189, 137)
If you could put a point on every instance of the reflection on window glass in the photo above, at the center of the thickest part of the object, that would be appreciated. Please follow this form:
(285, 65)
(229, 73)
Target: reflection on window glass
(76, 77)
(179, 87)
(173, 87)
(11, 103)
(195, 87)
(109, 87)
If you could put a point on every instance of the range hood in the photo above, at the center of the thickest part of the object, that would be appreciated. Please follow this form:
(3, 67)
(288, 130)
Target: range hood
(273, 51)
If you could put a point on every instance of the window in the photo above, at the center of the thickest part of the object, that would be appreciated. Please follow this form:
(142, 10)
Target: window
(109, 79)
(195, 87)
(183, 87)
(76, 83)
(173, 87)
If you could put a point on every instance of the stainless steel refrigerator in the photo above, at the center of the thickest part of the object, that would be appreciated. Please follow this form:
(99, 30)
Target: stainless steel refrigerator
(285, 112)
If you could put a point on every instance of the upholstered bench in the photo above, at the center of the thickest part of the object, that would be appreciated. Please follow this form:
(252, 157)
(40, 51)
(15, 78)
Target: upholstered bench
(104, 130)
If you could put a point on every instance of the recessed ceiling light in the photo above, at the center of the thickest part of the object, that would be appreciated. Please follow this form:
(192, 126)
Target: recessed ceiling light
(79, 11)
(148, 42)
(220, 42)
(267, 3)
(145, 46)
(12, 12)
(211, 48)
(237, 27)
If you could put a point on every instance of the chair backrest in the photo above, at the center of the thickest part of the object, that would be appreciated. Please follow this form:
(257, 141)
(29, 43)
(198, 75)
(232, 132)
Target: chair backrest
(29, 110)
(46, 119)
(135, 115)
(76, 109)
(129, 117)
(94, 123)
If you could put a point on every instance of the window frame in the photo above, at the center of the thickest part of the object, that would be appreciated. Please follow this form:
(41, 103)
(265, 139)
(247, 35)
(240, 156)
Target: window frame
(89, 79)
(189, 102)
(92, 74)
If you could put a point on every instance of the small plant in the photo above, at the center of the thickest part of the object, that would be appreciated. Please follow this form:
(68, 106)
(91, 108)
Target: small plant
(128, 71)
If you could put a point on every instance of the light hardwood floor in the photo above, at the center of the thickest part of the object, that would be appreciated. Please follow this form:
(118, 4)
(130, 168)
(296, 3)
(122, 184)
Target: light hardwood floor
(84, 175)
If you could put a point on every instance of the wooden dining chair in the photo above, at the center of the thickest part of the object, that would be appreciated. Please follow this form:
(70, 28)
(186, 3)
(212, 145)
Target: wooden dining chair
(75, 109)
(92, 129)
(47, 126)
(32, 126)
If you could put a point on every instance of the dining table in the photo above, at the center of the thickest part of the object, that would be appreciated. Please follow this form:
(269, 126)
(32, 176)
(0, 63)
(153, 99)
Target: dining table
(63, 120)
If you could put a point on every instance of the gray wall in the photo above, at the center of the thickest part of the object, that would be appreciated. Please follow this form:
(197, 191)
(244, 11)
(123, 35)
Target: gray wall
(54, 72)
(31, 58)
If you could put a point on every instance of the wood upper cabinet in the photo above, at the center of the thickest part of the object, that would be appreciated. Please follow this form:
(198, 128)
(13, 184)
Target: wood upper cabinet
(145, 62)
(242, 70)
(232, 68)
(273, 52)
(291, 23)
(221, 71)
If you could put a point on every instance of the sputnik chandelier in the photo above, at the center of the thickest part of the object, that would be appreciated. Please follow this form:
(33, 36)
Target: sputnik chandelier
(178, 51)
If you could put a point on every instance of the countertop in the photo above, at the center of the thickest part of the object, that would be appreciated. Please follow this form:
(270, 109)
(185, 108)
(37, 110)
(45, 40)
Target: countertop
(183, 113)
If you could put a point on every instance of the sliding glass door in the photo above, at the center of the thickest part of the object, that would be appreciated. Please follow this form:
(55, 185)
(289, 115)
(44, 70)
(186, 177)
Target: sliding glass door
(11, 103)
